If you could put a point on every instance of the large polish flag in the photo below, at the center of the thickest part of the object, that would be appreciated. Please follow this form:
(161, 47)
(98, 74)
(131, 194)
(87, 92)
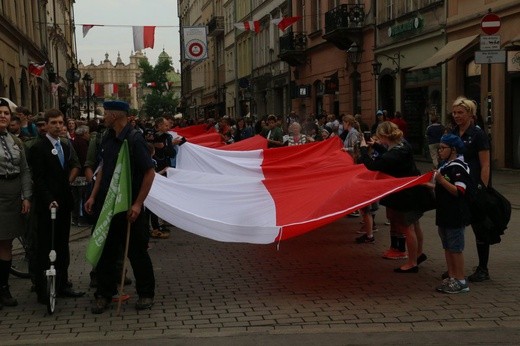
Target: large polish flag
(266, 195)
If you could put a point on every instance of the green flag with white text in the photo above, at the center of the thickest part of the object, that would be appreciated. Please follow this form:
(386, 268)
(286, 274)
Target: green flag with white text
(118, 199)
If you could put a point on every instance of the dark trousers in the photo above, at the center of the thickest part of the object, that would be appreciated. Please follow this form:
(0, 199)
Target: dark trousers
(43, 245)
(108, 271)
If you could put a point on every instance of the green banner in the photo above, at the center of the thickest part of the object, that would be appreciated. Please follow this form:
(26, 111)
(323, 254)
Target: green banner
(118, 199)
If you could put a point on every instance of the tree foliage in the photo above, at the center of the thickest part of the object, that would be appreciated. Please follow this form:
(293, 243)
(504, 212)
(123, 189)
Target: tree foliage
(158, 100)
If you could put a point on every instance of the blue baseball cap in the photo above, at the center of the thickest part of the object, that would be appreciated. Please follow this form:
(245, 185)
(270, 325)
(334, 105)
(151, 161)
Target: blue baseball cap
(453, 141)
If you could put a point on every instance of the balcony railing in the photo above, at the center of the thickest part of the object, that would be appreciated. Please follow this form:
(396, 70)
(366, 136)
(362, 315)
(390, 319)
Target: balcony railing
(345, 17)
(343, 25)
(292, 48)
(216, 26)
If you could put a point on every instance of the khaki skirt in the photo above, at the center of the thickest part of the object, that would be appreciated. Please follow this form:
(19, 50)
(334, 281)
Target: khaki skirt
(12, 221)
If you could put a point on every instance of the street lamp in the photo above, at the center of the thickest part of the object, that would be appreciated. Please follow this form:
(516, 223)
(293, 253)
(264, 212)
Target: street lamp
(354, 55)
(87, 80)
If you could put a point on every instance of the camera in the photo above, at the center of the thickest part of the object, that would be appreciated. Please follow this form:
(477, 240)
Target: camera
(367, 135)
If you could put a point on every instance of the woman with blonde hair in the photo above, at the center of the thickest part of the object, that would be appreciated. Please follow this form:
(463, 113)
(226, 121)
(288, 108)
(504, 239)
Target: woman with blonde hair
(477, 156)
(401, 208)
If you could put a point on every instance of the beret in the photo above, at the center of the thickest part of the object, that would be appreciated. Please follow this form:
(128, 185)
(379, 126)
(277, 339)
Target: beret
(116, 106)
(453, 141)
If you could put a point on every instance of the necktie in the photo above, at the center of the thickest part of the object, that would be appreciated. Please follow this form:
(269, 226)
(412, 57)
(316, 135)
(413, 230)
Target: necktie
(61, 156)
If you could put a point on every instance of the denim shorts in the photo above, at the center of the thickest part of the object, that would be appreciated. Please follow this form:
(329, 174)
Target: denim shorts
(452, 239)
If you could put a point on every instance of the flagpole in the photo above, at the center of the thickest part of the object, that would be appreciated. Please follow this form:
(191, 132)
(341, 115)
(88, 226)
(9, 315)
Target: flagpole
(123, 272)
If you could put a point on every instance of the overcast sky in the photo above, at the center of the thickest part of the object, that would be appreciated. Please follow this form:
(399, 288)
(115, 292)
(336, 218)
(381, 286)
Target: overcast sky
(111, 40)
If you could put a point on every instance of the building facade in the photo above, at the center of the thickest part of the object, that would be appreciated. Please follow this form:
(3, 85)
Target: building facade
(121, 81)
(36, 32)
(407, 34)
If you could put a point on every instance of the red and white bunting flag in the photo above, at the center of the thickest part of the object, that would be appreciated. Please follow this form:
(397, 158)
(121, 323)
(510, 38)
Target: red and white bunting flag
(86, 29)
(151, 84)
(35, 69)
(252, 25)
(272, 183)
(98, 89)
(132, 85)
(285, 22)
(144, 37)
(111, 88)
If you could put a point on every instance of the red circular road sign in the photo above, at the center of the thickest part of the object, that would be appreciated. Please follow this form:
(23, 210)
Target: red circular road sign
(490, 24)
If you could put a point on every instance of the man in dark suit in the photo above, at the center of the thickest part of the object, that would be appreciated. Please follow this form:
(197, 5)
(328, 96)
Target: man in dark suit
(54, 165)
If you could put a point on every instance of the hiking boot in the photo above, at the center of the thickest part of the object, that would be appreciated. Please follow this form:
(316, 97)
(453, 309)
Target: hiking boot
(365, 239)
(6, 299)
(479, 275)
(454, 286)
(100, 305)
(144, 303)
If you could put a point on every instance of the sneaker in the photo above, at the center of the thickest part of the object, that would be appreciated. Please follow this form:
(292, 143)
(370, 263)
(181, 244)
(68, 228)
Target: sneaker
(144, 303)
(364, 239)
(479, 275)
(394, 254)
(6, 299)
(443, 284)
(100, 305)
(374, 228)
(454, 286)
(387, 223)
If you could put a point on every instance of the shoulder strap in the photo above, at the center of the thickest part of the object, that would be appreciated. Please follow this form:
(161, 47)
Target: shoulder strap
(17, 140)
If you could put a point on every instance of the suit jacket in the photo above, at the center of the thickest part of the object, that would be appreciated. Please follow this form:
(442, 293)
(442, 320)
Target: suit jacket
(51, 181)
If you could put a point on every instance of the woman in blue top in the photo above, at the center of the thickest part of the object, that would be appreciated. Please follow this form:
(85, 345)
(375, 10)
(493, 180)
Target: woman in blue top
(477, 156)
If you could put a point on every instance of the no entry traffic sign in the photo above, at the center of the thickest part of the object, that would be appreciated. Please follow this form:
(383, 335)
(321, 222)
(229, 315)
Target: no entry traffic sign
(490, 24)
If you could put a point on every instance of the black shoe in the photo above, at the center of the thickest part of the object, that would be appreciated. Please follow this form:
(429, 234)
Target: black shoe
(6, 299)
(365, 239)
(100, 305)
(479, 275)
(70, 293)
(409, 270)
(144, 303)
(421, 258)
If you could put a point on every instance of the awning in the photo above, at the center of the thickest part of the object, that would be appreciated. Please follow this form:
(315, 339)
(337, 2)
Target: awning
(445, 53)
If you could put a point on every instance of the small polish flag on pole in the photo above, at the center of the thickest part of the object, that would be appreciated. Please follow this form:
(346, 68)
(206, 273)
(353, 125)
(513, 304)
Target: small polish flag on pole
(132, 85)
(151, 84)
(285, 22)
(144, 37)
(252, 25)
(35, 69)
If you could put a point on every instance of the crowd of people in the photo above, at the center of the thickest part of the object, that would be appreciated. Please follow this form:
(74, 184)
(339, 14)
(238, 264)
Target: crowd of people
(50, 161)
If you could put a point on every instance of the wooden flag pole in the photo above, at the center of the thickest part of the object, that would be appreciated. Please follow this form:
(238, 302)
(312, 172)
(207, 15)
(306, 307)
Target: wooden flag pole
(123, 272)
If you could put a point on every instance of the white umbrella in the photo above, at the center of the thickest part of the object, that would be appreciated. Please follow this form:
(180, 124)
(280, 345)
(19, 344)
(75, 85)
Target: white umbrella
(11, 104)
